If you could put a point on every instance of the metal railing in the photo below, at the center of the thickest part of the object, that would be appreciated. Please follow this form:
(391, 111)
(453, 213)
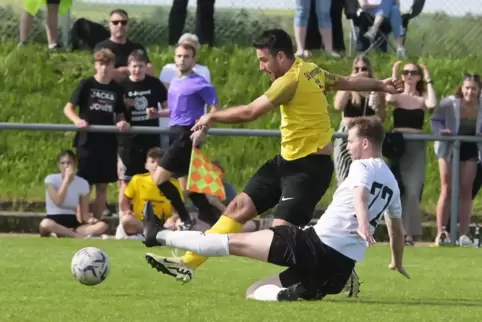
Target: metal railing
(238, 20)
(272, 133)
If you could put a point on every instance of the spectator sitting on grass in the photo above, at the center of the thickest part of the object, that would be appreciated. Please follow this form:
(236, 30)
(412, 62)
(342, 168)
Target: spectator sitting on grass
(139, 190)
(67, 203)
(120, 45)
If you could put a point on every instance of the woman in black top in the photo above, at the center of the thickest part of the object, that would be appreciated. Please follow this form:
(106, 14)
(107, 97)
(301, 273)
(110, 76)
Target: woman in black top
(354, 104)
(101, 102)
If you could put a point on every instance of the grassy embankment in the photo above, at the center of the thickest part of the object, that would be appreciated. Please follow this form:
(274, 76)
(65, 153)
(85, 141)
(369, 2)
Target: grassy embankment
(35, 86)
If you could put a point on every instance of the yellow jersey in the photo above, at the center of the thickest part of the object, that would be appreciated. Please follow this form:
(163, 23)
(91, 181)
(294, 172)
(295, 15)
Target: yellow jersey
(305, 120)
(142, 188)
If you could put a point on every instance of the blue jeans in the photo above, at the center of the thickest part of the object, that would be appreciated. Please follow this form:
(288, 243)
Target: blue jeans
(390, 10)
(323, 8)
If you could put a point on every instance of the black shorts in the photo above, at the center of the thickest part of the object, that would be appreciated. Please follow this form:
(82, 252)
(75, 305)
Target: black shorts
(68, 221)
(469, 151)
(53, 1)
(295, 186)
(311, 263)
(131, 161)
(97, 165)
(178, 156)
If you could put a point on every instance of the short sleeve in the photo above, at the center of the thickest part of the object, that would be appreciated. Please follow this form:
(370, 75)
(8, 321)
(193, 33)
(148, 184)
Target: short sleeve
(119, 104)
(161, 91)
(331, 80)
(84, 188)
(50, 179)
(130, 190)
(395, 208)
(282, 90)
(359, 175)
(208, 94)
(167, 74)
(76, 97)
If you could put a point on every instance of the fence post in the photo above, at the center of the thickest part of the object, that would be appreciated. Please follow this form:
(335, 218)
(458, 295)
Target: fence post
(65, 29)
(454, 198)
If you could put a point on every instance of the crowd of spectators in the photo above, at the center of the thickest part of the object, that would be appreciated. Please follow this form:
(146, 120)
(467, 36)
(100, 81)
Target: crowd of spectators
(459, 113)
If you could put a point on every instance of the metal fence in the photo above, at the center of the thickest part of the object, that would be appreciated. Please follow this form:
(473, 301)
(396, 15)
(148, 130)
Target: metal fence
(446, 27)
(275, 133)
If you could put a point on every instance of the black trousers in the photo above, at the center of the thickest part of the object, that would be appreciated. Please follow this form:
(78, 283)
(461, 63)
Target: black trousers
(313, 37)
(204, 21)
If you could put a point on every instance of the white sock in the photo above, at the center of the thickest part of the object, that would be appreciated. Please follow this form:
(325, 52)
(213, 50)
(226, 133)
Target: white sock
(195, 241)
(268, 292)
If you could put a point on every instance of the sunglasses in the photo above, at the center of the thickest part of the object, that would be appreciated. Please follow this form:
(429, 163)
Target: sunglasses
(116, 22)
(411, 72)
(476, 77)
(360, 69)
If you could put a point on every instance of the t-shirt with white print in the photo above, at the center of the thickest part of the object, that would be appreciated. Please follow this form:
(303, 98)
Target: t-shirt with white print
(337, 226)
(77, 188)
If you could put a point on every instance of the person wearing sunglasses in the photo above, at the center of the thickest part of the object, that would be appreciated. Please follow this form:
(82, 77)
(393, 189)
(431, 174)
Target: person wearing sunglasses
(409, 117)
(120, 45)
(458, 114)
(354, 104)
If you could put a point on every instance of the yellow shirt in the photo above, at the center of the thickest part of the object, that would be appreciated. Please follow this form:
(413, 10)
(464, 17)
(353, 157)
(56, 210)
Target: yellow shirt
(141, 188)
(305, 120)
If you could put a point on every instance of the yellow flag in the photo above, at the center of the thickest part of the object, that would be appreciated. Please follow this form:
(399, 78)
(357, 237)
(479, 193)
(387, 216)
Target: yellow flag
(204, 176)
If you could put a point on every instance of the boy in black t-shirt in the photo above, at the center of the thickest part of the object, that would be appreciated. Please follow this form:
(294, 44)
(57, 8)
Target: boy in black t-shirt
(101, 102)
(146, 100)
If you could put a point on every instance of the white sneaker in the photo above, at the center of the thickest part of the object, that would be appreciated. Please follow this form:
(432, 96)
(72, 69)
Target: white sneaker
(464, 240)
(173, 266)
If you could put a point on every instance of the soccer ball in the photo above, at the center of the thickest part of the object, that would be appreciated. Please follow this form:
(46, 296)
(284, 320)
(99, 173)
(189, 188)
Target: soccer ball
(90, 266)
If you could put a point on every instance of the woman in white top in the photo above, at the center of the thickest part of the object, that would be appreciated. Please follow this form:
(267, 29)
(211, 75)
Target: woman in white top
(169, 72)
(67, 203)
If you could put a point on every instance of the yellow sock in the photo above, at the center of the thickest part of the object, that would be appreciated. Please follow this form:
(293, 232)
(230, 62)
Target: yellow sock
(224, 225)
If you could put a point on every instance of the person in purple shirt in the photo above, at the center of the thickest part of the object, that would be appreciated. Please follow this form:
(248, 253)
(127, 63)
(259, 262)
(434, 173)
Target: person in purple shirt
(187, 97)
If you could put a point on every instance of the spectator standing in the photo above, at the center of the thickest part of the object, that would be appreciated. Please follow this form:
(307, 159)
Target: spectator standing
(302, 15)
(458, 114)
(170, 72)
(67, 203)
(101, 102)
(187, 96)
(120, 45)
(51, 23)
(408, 117)
(354, 104)
(147, 95)
(204, 21)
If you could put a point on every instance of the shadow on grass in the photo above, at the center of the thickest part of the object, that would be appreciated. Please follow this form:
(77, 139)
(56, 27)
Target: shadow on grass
(421, 302)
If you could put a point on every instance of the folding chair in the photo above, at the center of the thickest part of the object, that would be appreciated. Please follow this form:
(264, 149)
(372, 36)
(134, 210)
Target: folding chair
(361, 21)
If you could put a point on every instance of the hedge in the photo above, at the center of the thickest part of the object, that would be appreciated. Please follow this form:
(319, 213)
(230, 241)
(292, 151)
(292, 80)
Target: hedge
(36, 84)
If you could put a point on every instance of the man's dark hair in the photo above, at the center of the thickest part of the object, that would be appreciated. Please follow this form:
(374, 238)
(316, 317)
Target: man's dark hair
(121, 12)
(138, 55)
(275, 40)
(155, 153)
(369, 128)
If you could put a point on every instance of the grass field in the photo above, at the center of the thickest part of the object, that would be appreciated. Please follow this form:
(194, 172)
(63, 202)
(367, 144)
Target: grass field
(37, 286)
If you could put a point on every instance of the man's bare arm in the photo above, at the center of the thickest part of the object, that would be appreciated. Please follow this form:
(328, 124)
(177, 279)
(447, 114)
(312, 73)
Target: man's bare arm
(395, 231)
(350, 83)
(243, 113)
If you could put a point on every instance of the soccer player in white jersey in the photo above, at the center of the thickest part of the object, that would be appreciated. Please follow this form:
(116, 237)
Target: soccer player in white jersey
(320, 259)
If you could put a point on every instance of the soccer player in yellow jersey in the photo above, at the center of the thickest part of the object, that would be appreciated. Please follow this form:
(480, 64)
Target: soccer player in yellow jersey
(140, 189)
(297, 178)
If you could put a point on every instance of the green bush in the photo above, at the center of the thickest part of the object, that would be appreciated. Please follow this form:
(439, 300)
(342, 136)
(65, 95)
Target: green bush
(35, 85)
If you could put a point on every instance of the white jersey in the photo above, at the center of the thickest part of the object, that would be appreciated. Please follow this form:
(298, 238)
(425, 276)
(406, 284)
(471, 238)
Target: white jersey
(337, 226)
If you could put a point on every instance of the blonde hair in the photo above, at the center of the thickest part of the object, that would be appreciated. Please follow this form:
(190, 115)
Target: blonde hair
(356, 96)
(190, 38)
